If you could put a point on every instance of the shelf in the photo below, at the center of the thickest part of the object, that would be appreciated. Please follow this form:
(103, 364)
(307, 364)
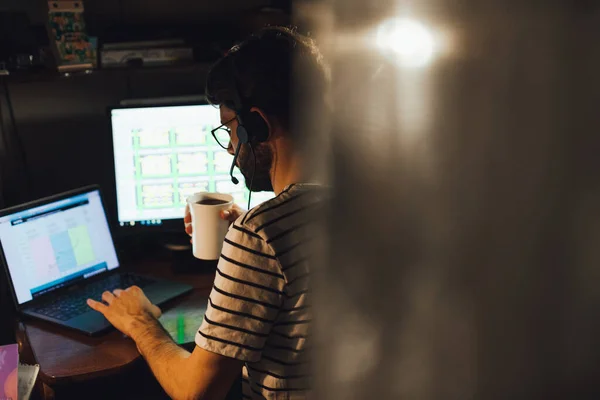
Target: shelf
(45, 75)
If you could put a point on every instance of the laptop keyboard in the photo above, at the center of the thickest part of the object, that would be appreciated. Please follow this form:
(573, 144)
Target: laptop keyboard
(70, 305)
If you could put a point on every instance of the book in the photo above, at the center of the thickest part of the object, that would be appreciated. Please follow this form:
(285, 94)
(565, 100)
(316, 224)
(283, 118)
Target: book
(72, 47)
(9, 371)
(16, 380)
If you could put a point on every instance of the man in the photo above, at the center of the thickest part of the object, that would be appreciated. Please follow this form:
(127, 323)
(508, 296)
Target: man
(258, 314)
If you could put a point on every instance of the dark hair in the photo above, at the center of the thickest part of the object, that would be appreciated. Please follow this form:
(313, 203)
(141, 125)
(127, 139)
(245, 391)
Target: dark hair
(260, 72)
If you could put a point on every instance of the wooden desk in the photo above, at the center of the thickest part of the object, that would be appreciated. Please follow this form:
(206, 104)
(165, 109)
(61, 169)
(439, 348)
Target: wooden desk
(66, 356)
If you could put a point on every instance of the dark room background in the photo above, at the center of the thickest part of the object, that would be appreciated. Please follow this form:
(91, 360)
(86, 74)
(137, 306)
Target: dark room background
(55, 130)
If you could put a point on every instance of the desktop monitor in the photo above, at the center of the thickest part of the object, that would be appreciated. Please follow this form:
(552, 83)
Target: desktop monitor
(162, 155)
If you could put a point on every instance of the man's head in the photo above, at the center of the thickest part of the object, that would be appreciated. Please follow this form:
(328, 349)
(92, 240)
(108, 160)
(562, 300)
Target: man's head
(256, 80)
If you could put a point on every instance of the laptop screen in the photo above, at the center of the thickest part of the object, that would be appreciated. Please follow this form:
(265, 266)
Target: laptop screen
(48, 246)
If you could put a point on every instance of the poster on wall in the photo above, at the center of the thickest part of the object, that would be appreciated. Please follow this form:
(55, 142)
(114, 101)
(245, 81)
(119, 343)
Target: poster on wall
(71, 46)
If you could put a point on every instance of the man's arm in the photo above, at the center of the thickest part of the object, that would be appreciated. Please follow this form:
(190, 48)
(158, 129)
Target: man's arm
(199, 375)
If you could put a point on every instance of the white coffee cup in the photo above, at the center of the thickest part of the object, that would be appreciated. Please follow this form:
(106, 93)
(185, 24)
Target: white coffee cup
(209, 229)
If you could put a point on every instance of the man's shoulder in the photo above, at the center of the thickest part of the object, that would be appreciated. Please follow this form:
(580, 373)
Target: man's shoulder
(293, 198)
(273, 216)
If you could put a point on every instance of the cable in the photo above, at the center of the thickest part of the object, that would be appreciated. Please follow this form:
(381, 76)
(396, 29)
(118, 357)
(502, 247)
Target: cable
(3, 131)
(251, 179)
(3, 154)
(17, 137)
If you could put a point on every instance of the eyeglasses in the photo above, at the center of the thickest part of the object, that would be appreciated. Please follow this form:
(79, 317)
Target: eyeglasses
(222, 134)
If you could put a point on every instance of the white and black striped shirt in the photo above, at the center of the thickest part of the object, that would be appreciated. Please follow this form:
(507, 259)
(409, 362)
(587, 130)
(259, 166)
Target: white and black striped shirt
(259, 308)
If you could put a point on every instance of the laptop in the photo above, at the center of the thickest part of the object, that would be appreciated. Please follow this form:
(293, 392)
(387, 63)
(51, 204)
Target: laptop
(58, 252)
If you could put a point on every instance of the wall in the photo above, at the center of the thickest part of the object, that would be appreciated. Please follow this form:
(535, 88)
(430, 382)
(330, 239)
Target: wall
(101, 14)
(64, 127)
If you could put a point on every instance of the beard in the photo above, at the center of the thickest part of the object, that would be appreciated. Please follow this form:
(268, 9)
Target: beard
(262, 174)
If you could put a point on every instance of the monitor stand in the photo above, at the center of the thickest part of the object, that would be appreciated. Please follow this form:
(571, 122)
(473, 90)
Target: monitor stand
(179, 249)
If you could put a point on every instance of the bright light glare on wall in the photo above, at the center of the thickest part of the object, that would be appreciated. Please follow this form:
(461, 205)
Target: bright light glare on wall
(406, 41)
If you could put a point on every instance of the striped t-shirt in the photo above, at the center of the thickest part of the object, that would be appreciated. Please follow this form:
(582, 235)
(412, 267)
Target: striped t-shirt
(259, 307)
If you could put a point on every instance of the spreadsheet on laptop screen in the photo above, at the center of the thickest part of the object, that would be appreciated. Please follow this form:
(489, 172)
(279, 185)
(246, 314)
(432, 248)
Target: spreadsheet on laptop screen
(48, 246)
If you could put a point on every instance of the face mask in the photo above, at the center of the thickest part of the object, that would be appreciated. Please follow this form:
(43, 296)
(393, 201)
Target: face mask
(264, 161)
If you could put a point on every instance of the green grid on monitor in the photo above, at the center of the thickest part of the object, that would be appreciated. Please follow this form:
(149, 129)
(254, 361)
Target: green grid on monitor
(166, 174)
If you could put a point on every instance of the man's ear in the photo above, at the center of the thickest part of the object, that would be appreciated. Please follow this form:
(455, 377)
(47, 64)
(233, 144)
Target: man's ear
(268, 121)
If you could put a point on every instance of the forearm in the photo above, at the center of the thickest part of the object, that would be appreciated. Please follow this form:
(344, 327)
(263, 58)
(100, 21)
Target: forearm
(167, 361)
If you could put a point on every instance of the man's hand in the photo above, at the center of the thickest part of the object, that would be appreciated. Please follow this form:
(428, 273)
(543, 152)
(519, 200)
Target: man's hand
(228, 215)
(200, 375)
(128, 310)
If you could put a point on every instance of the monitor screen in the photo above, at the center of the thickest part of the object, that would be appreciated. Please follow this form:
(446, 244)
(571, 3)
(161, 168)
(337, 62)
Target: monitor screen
(163, 155)
(51, 245)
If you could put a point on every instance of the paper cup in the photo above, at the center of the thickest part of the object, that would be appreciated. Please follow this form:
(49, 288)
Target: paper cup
(209, 229)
